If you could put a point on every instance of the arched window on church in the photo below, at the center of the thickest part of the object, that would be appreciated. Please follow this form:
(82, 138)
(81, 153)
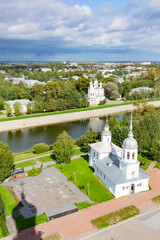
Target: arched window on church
(128, 155)
(94, 154)
(133, 156)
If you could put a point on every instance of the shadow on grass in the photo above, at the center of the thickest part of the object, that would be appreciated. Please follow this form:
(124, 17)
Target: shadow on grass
(24, 223)
(147, 155)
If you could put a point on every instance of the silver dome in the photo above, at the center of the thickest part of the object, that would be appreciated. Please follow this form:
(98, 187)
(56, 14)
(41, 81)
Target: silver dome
(130, 143)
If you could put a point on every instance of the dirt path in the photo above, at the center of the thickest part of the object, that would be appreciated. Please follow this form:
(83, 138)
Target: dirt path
(67, 117)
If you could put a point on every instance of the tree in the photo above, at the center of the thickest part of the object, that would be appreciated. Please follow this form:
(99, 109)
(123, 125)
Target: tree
(2, 103)
(8, 110)
(114, 95)
(119, 134)
(111, 90)
(30, 107)
(123, 122)
(90, 136)
(6, 161)
(17, 108)
(156, 150)
(63, 147)
(113, 121)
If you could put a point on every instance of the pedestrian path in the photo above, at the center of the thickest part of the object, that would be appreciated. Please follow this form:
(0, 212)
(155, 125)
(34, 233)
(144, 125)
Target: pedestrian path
(151, 166)
(11, 225)
(82, 220)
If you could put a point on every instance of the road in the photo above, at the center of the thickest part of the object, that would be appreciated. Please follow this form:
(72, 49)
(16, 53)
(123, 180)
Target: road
(145, 226)
(67, 117)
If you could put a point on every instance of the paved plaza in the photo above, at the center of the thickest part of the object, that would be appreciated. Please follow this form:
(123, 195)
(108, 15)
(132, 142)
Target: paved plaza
(50, 193)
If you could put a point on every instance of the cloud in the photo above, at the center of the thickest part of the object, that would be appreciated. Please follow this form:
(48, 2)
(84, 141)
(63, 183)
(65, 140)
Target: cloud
(49, 27)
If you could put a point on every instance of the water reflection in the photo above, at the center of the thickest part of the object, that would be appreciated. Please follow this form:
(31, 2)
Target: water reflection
(25, 139)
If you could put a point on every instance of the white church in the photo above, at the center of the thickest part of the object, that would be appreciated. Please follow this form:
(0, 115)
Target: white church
(95, 93)
(118, 168)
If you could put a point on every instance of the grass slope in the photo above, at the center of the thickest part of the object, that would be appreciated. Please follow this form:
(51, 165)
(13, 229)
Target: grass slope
(84, 175)
(70, 111)
(28, 154)
(25, 164)
(9, 203)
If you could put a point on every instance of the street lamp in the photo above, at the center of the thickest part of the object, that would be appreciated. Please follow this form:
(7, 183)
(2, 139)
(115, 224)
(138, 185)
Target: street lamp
(75, 177)
(63, 167)
(88, 189)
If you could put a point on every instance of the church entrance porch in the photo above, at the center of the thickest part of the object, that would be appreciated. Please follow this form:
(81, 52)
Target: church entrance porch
(132, 188)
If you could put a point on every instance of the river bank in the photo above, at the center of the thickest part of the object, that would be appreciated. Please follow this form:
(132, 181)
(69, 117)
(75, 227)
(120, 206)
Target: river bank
(66, 117)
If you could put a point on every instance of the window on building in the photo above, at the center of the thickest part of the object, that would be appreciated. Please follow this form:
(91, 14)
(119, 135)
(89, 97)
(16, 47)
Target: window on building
(97, 156)
(100, 173)
(97, 170)
(128, 155)
(123, 188)
(133, 156)
(104, 176)
(94, 154)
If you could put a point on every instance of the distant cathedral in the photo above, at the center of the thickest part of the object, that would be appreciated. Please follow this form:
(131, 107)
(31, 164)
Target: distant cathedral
(118, 168)
(95, 93)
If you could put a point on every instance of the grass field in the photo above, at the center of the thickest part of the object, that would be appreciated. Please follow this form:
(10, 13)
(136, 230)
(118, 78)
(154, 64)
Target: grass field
(156, 199)
(9, 203)
(157, 165)
(146, 165)
(83, 205)
(49, 158)
(79, 151)
(52, 157)
(24, 223)
(70, 111)
(25, 164)
(84, 175)
(2, 235)
(28, 154)
(115, 217)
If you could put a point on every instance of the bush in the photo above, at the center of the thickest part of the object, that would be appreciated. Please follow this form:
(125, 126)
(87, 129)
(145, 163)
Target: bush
(51, 146)
(102, 102)
(40, 148)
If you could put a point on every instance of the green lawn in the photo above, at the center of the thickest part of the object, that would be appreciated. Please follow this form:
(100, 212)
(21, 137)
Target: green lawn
(146, 165)
(52, 157)
(25, 164)
(34, 172)
(84, 175)
(5, 232)
(156, 200)
(115, 217)
(28, 154)
(79, 151)
(157, 165)
(70, 111)
(9, 203)
(49, 158)
(24, 223)
(83, 205)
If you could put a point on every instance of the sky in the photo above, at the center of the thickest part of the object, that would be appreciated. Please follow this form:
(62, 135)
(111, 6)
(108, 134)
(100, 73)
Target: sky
(80, 30)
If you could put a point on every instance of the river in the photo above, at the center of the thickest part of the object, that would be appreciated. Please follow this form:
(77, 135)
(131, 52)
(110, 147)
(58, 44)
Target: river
(24, 139)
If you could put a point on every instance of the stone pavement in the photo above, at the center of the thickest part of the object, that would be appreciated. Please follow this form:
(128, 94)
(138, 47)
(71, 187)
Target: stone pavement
(11, 225)
(79, 222)
(50, 193)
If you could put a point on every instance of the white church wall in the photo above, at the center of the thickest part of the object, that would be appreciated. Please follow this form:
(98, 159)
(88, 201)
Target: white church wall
(132, 171)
